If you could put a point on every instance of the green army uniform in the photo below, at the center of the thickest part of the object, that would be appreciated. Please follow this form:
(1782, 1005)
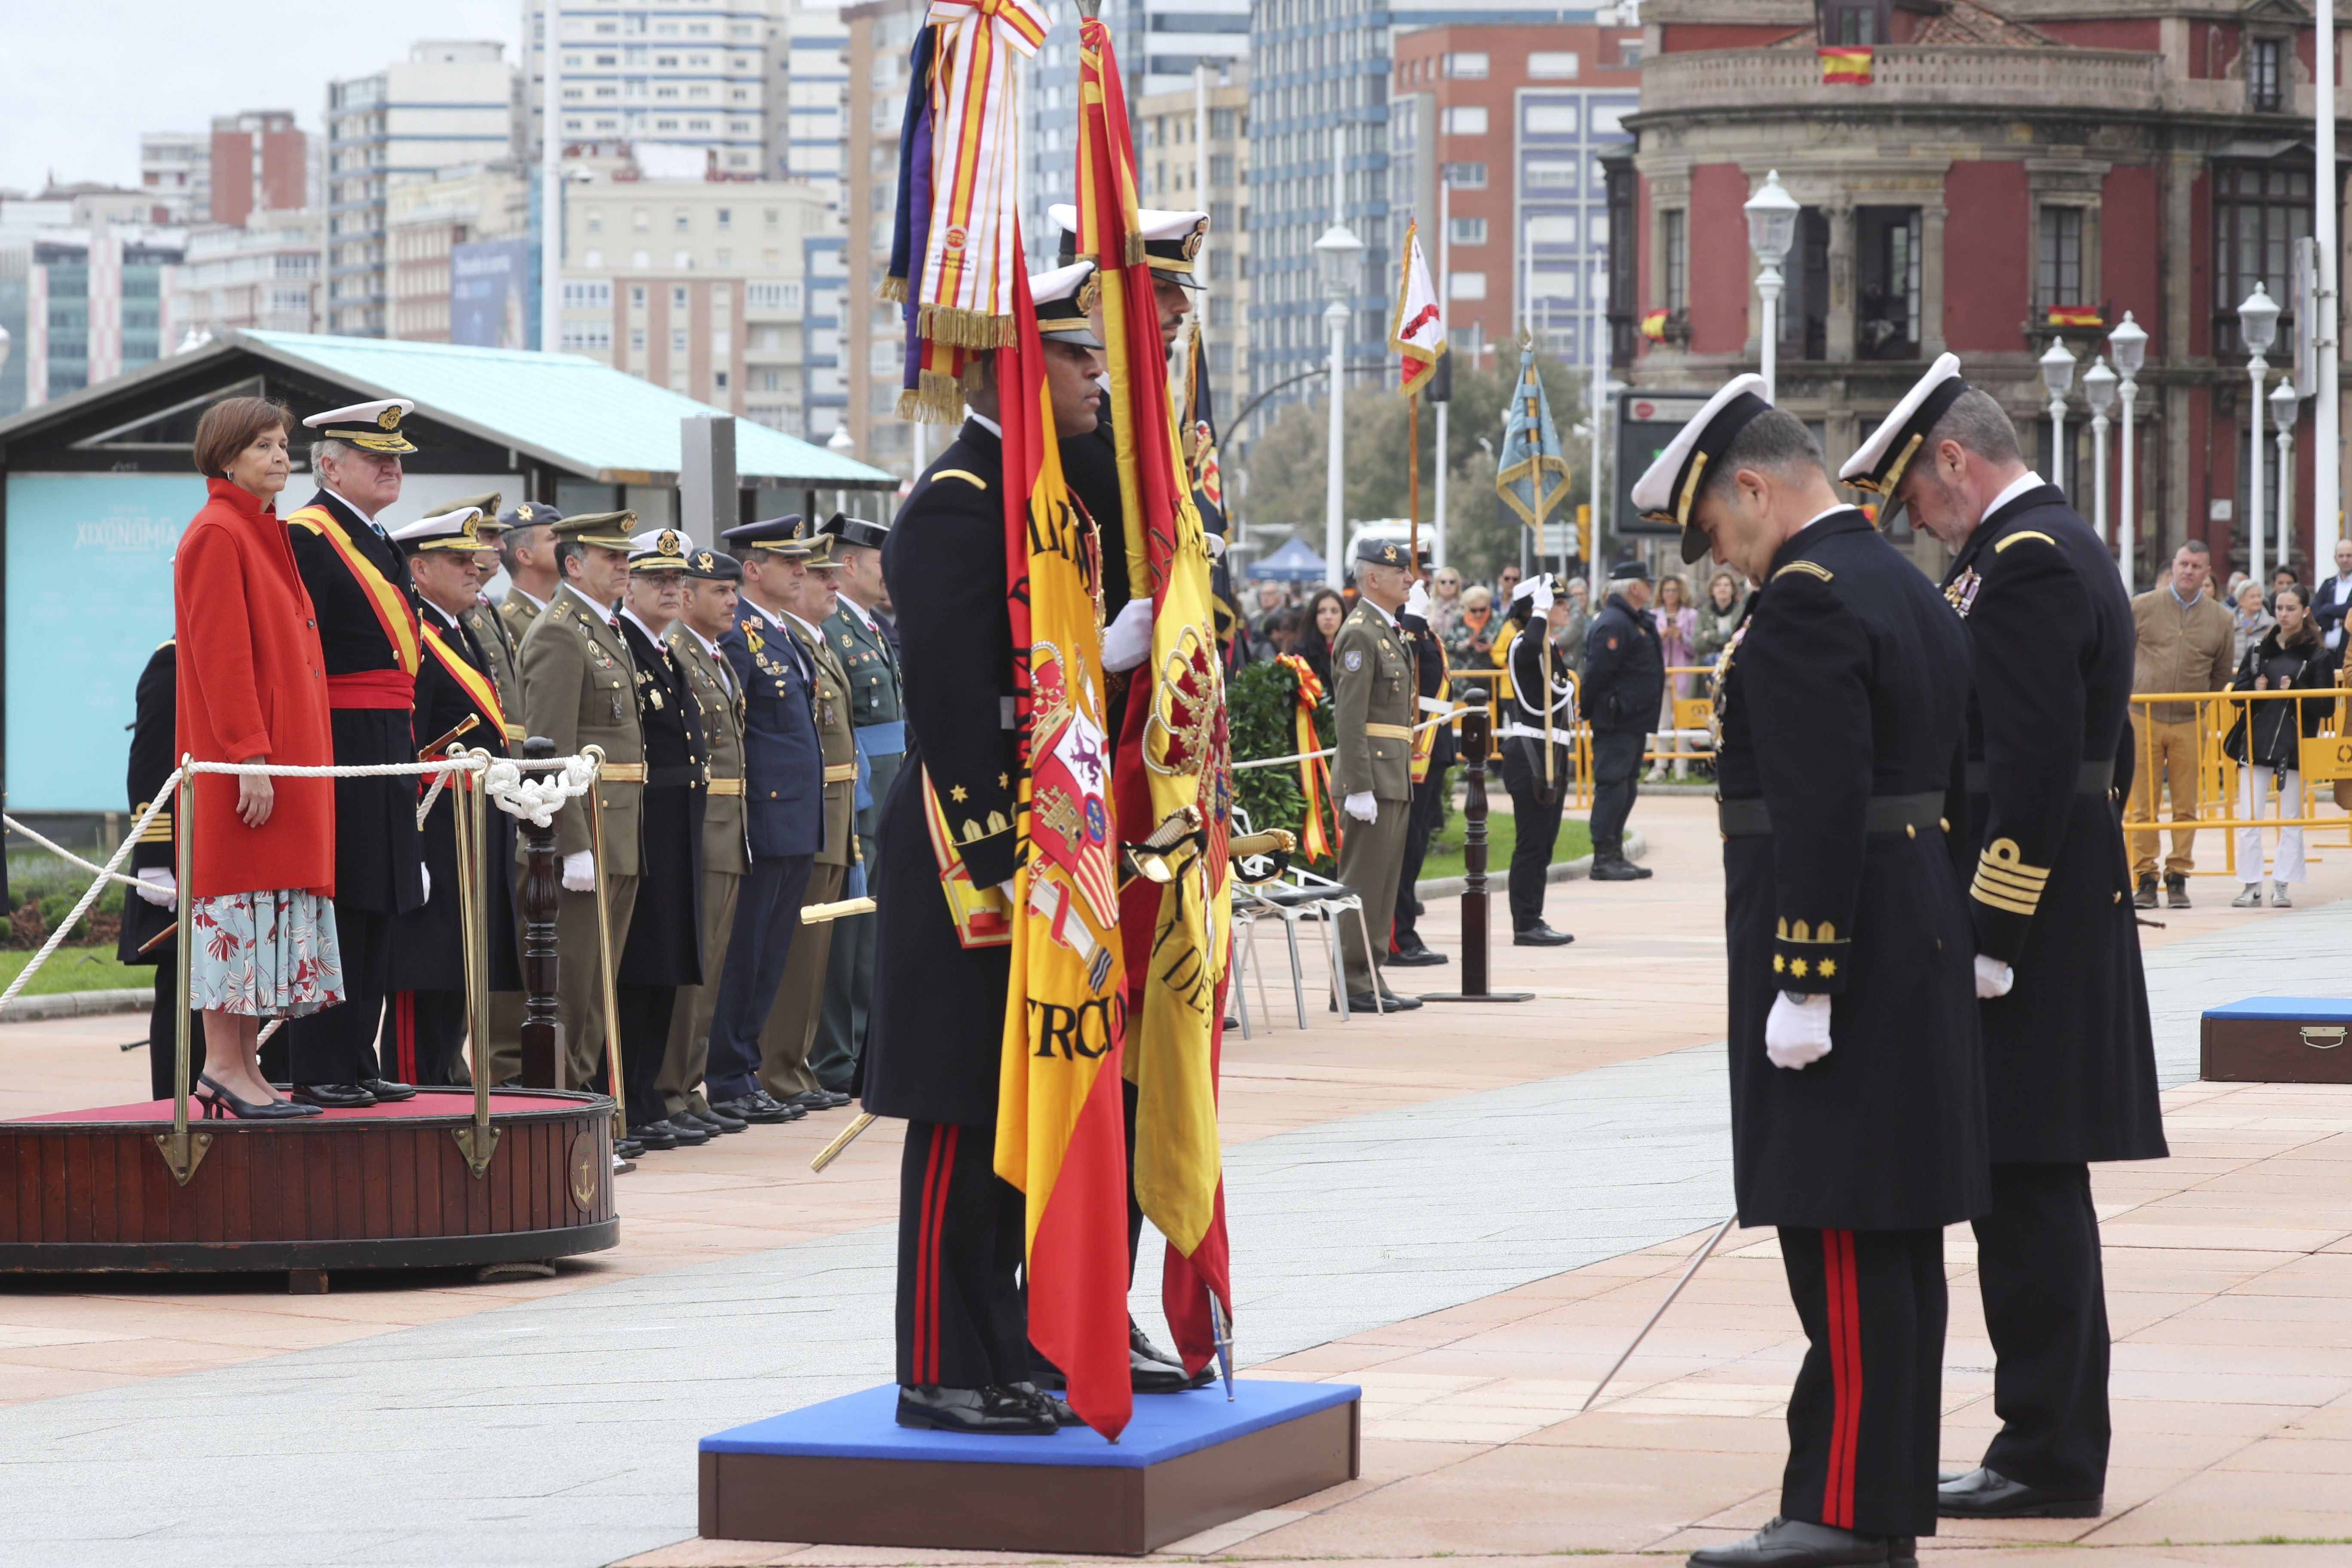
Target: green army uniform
(580, 690)
(878, 719)
(519, 609)
(725, 849)
(1373, 697)
(790, 1028)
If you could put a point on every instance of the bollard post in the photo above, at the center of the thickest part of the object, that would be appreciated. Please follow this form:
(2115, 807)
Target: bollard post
(537, 897)
(1477, 744)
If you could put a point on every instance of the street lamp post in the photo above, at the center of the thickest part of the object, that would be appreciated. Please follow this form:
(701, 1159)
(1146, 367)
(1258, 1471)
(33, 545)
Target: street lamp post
(2099, 392)
(1337, 252)
(2058, 376)
(2283, 412)
(1771, 229)
(2258, 316)
(2129, 343)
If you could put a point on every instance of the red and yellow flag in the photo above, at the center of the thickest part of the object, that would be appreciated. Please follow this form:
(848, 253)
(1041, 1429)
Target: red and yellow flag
(2073, 316)
(1060, 1133)
(1847, 65)
(1174, 759)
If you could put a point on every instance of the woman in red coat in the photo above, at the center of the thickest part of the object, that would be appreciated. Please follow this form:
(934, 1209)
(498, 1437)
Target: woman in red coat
(253, 689)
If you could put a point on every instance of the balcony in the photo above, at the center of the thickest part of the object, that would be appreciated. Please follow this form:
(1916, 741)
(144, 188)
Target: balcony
(1906, 75)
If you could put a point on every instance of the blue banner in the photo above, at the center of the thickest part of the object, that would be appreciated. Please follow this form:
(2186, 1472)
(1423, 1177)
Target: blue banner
(89, 597)
(491, 295)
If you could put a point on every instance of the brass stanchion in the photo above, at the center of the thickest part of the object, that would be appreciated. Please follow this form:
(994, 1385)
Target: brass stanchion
(468, 802)
(181, 1151)
(605, 947)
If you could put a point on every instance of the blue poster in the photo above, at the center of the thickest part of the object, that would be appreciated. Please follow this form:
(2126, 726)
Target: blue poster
(490, 294)
(89, 597)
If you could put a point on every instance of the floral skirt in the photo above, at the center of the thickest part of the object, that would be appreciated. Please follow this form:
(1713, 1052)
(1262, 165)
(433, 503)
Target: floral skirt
(265, 955)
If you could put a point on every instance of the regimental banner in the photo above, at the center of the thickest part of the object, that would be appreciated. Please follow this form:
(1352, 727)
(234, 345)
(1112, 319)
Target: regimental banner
(1060, 1126)
(1418, 335)
(1175, 758)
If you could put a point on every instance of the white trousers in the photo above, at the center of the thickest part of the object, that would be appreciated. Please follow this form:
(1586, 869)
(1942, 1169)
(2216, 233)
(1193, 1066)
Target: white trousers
(2253, 794)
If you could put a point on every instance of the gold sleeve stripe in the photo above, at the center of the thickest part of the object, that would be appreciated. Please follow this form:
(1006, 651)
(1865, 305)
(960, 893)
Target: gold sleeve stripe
(2000, 900)
(2021, 538)
(970, 479)
(1989, 884)
(2013, 871)
(1811, 569)
(1804, 931)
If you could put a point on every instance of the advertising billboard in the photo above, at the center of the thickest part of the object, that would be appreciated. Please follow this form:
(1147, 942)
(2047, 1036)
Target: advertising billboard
(492, 293)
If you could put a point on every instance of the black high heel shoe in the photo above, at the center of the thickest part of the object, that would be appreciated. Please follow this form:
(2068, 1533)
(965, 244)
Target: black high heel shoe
(217, 1100)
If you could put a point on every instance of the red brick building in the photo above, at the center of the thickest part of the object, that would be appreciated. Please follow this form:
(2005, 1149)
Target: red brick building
(2003, 160)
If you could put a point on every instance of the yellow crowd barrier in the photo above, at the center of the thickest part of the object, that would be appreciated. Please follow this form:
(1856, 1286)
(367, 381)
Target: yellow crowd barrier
(2216, 784)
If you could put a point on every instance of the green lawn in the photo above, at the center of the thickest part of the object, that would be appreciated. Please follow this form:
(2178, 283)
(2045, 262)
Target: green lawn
(1574, 843)
(76, 969)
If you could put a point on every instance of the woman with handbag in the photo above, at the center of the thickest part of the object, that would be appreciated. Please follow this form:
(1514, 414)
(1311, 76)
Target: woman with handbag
(2266, 744)
(252, 688)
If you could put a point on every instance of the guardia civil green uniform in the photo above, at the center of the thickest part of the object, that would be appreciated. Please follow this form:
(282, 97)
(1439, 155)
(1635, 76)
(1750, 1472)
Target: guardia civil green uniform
(791, 1031)
(519, 609)
(580, 690)
(725, 858)
(877, 721)
(1373, 696)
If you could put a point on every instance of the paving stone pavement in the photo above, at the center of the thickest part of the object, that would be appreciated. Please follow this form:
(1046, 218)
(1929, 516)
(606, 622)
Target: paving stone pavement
(561, 1431)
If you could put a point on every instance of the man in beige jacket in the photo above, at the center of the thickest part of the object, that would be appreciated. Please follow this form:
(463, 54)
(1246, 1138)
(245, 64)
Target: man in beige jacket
(2184, 646)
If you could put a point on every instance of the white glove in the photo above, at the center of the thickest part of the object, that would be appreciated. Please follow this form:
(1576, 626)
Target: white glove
(426, 872)
(1993, 978)
(1127, 641)
(1417, 598)
(1539, 588)
(1797, 1033)
(1216, 543)
(580, 872)
(158, 887)
(1362, 806)
(1006, 887)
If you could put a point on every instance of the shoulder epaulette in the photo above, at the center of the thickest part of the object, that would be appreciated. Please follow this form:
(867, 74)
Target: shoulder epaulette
(970, 479)
(2000, 545)
(1810, 568)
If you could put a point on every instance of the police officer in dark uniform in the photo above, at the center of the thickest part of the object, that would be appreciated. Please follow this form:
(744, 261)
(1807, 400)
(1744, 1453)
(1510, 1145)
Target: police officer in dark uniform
(368, 631)
(152, 910)
(934, 1040)
(425, 1024)
(664, 949)
(2070, 1059)
(1624, 679)
(1857, 1092)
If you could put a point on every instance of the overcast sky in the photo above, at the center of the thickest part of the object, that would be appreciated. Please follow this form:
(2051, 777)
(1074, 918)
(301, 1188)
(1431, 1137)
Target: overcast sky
(79, 80)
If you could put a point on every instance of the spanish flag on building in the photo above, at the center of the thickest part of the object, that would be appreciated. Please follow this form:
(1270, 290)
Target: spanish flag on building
(1847, 65)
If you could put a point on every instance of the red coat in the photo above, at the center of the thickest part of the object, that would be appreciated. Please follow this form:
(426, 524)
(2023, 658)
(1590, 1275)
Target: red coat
(252, 683)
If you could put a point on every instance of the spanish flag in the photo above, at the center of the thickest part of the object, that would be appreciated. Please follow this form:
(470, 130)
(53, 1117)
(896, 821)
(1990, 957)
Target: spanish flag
(1060, 1133)
(2074, 316)
(1654, 326)
(1848, 66)
(1174, 758)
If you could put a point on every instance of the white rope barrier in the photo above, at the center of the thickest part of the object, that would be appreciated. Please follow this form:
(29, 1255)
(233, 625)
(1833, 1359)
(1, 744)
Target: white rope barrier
(537, 799)
(1446, 718)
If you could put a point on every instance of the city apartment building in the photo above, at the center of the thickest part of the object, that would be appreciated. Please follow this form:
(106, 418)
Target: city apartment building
(258, 161)
(269, 272)
(1517, 120)
(2006, 168)
(426, 220)
(449, 105)
(82, 305)
(175, 170)
(872, 330)
(696, 76)
(1187, 162)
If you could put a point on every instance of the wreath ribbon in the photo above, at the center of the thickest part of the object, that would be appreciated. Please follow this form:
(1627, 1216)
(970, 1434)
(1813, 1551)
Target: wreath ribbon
(1313, 771)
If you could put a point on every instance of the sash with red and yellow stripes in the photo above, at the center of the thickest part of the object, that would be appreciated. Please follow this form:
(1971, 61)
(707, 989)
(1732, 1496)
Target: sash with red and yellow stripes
(390, 604)
(476, 685)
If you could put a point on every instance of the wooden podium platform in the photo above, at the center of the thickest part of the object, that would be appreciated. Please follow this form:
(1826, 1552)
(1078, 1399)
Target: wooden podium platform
(384, 1187)
(844, 1473)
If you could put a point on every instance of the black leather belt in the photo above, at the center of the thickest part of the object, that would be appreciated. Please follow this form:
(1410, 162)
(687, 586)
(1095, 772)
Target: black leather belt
(1887, 814)
(670, 778)
(2096, 777)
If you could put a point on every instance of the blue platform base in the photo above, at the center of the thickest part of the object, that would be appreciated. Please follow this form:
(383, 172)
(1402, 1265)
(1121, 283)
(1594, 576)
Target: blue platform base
(844, 1473)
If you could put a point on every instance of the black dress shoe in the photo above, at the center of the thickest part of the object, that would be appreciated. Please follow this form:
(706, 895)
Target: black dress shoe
(1794, 1543)
(1396, 1004)
(816, 1099)
(627, 1149)
(335, 1096)
(1540, 935)
(717, 1121)
(1617, 870)
(689, 1136)
(656, 1136)
(1901, 1551)
(1053, 1406)
(1417, 956)
(387, 1092)
(1988, 1494)
(750, 1107)
(792, 1113)
(996, 1411)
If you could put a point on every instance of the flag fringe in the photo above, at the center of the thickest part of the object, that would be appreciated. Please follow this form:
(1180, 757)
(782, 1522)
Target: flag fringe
(891, 290)
(963, 329)
(938, 401)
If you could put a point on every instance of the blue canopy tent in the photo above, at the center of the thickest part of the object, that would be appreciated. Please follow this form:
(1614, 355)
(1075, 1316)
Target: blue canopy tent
(1294, 562)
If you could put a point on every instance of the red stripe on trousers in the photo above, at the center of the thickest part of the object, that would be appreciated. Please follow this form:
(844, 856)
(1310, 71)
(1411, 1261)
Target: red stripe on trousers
(937, 1174)
(1844, 1304)
(403, 1034)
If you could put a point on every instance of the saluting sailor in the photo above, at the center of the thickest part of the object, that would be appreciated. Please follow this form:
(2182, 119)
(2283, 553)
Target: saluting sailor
(368, 632)
(2070, 1059)
(579, 686)
(664, 951)
(943, 964)
(878, 726)
(424, 1026)
(1857, 1094)
(1375, 693)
